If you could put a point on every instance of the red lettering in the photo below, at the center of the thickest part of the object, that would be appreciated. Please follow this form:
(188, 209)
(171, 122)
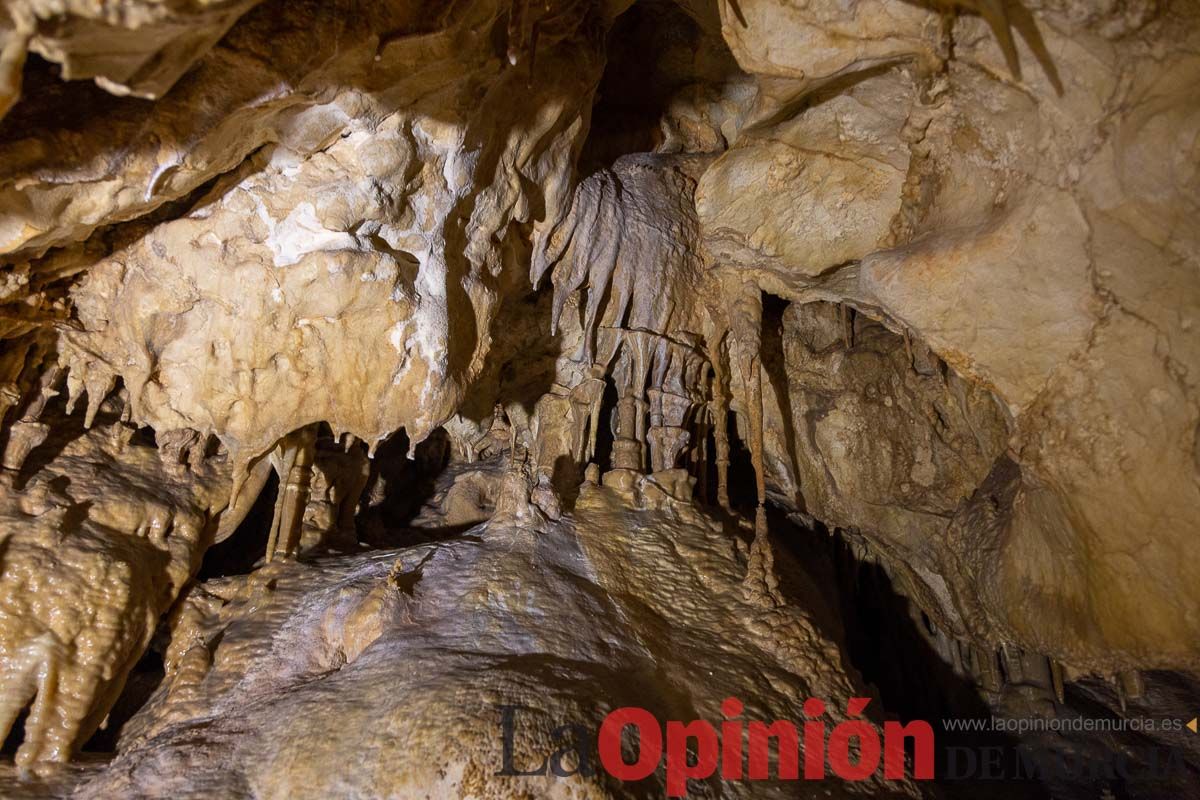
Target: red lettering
(678, 769)
(893, 749)
(787, 745)
(649, 743)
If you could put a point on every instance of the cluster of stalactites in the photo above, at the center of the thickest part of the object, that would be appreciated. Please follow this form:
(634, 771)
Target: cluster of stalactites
(29, 380)
(673, 392)
(530, 20)
(739, 319)
(988, 666)
(291, 459)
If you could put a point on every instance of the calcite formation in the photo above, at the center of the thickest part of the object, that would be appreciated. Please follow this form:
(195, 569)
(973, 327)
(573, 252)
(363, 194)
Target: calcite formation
(377, 365)
(100, 536)
(619, 606)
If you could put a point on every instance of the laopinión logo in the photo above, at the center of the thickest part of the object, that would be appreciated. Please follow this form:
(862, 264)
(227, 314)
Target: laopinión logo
(854, 749)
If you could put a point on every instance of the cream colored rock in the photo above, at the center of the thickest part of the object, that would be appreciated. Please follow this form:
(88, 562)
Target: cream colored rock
(814, 192)
(97, 545)
(274, 78)
(1028, 228)
(817, 41)
(129, 47)
(239, 319)
(409, 655)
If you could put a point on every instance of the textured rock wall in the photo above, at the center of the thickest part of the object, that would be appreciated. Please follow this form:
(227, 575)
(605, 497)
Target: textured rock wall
(258, 219)
(99, 535)
(1033, 237)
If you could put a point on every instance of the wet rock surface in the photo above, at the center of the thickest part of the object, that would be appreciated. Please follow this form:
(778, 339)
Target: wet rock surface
(385, 325)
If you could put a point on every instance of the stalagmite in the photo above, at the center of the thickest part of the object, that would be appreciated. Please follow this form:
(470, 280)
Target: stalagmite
(497, 439)
(23, 438)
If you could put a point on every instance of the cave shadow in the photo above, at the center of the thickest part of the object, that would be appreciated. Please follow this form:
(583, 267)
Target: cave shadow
(884, 644)
(633, 681)
(63, 430)
(1161, 763)
(743, 490)
(605, 438)
(1004, 17)
(247, 545)
(520, 365)
(567, 478)
(74, 515)
(643, 76)
(397, 487)
(143, 681)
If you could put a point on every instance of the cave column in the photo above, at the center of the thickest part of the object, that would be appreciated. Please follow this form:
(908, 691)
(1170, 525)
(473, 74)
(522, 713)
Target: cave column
(718, 411)
(293, 461)
(586, 400)
(700, 451)
(654, 435)
(745, 317)
(745, 345)
(627, 447)
(669, 437)
(627, 450)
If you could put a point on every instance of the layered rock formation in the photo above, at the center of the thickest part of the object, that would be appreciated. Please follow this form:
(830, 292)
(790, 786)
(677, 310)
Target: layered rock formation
(919, 274)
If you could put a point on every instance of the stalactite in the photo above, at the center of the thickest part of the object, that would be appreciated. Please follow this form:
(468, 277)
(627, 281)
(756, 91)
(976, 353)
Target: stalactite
(641, 348)
(746, 344)
(1132, 684)
(586, 399)
(1057, 682)
(255, 480)
(10, 370)
(700, 457)
(1011, 659)
(673, 396)
(762, 584)
(846, 317)
(47, 391)
(516, 30)
(719, 410)
(988, 669)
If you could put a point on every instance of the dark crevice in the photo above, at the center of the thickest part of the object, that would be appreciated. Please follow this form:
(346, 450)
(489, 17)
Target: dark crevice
(247, 545)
